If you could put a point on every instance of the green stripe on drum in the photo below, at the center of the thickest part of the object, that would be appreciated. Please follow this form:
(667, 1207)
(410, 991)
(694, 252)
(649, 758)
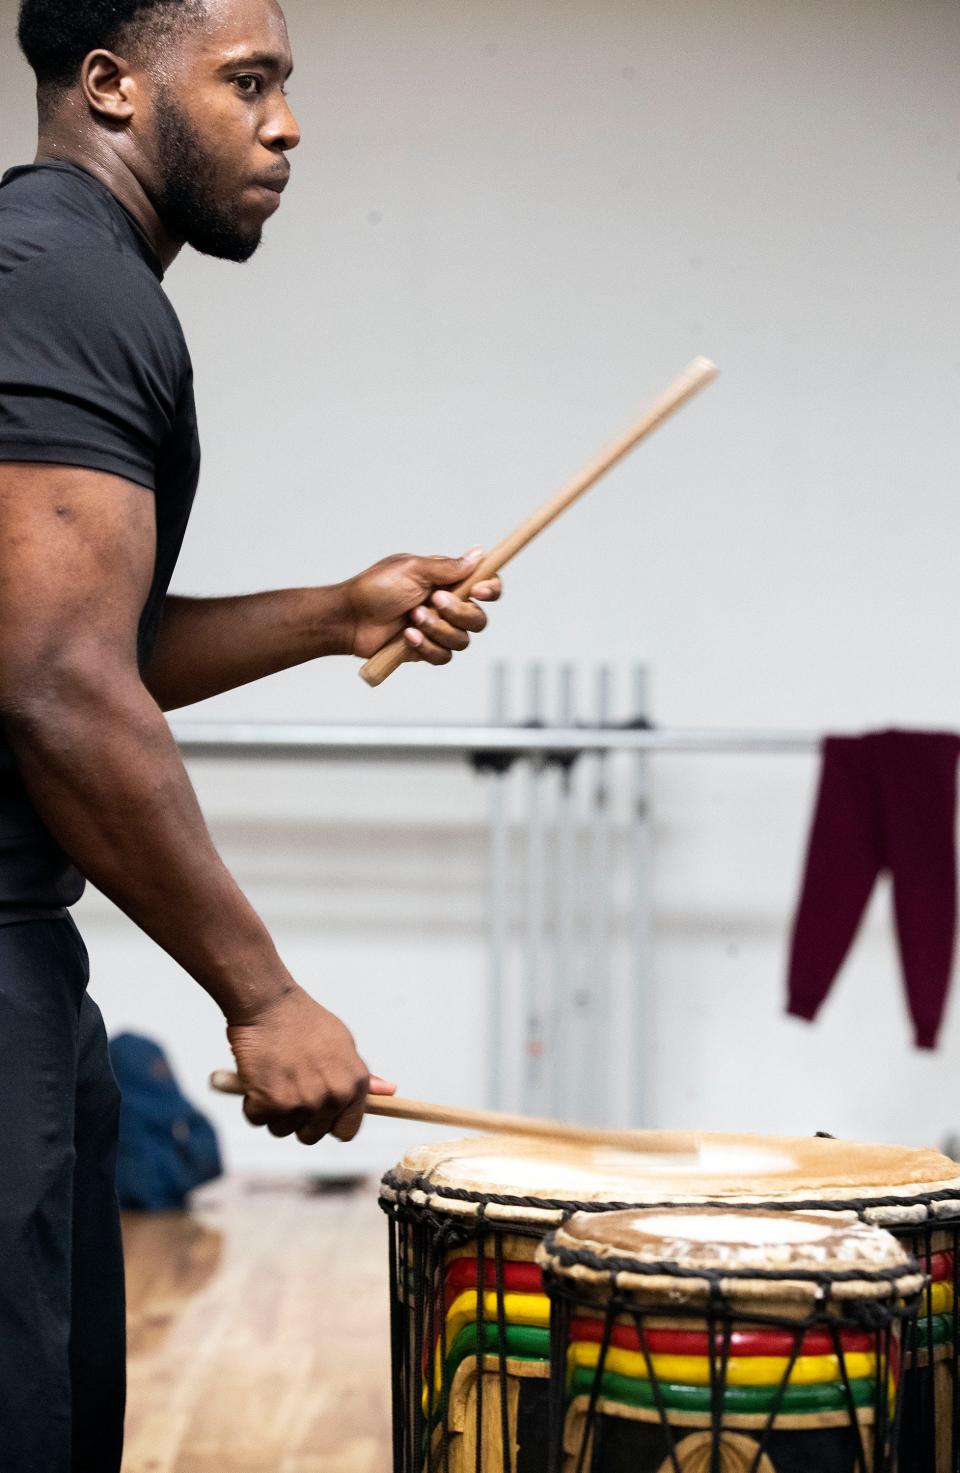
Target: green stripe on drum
(828, 1396)
(521, 1342)
(942, 1331)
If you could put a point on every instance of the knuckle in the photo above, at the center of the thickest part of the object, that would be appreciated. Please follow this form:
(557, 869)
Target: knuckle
(346, 1132)
(315, 1126)
(344, 1094)
(319, 1103)
(255, 1112)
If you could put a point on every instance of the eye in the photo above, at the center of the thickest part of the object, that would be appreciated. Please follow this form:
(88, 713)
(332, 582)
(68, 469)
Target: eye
(249, 84)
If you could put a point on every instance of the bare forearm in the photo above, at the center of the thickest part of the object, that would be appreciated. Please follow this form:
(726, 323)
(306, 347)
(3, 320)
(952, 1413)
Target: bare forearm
(104, 773)
(209, 645)
(206, 646)
(77, 557)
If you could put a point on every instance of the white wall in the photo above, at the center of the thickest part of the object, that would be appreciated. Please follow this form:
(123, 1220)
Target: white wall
(511, 223)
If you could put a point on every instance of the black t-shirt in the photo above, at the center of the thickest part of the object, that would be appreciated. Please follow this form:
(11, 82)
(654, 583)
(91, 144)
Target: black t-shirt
(94, 372)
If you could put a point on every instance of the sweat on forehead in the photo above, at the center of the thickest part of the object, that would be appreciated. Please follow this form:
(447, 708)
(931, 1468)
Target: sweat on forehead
(241, 30)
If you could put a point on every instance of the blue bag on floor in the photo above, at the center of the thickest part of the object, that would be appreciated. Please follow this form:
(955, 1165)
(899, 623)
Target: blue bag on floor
(167, 1147)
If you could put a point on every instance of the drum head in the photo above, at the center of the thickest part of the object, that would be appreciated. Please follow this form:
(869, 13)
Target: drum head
(530, 1180)
(748, 1258)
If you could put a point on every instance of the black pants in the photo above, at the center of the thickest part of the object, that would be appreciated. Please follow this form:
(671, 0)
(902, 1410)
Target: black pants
(61, 1264)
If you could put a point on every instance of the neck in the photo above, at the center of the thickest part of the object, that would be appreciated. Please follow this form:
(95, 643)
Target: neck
(120, 177)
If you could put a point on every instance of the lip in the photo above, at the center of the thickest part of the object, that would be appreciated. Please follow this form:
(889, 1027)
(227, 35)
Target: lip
(274, 184)
(270, 196)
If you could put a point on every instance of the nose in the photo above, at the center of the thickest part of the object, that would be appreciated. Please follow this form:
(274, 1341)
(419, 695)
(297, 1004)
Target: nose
(281, 131)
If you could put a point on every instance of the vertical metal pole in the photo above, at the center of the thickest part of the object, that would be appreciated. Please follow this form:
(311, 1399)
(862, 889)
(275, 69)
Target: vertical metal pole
(533, 997)
(596, 983)
(566, 1068)
(642, 1047)
(498, 920)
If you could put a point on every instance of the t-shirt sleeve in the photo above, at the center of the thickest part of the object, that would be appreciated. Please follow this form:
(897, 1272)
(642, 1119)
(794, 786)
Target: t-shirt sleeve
(92, 364)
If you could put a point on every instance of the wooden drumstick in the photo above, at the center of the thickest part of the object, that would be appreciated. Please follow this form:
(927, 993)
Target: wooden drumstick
(700, 373)
(495, 1122)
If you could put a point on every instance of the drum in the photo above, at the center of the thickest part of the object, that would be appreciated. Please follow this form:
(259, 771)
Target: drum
(470, 1321)
(471, 1368)
(704, 1340)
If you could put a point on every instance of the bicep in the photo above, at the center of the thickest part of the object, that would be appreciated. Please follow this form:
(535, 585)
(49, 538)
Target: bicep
(76, 560)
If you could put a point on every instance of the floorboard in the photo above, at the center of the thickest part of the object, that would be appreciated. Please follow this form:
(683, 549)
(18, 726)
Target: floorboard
(258, 1333)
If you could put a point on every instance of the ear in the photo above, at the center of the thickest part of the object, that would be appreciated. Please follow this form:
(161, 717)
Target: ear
(108, 86)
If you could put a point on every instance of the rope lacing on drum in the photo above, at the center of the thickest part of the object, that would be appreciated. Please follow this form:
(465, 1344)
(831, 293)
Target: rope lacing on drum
(405, 1185)
(824, 1280)
(422, 1235)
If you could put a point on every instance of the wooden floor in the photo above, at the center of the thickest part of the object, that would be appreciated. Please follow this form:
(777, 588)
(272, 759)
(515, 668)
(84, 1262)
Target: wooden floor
(258, 1338)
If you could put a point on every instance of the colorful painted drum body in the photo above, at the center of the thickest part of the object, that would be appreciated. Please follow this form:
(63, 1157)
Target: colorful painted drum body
(692, 1340)
(470, 1213)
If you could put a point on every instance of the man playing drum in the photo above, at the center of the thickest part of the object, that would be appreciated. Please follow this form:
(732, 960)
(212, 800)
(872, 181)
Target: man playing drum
(162, 123)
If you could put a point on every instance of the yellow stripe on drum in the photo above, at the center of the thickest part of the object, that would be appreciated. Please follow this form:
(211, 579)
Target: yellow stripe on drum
(753, 1370)
(938, 1299)
(518, 1309)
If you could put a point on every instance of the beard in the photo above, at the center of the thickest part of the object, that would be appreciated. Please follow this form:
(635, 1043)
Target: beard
(186, 199)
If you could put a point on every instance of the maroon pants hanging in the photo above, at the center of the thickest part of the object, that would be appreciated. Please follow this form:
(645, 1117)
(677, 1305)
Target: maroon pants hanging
(887, 801)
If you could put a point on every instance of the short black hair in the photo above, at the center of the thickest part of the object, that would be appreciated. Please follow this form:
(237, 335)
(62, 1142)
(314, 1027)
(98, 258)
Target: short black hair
(56, 35)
